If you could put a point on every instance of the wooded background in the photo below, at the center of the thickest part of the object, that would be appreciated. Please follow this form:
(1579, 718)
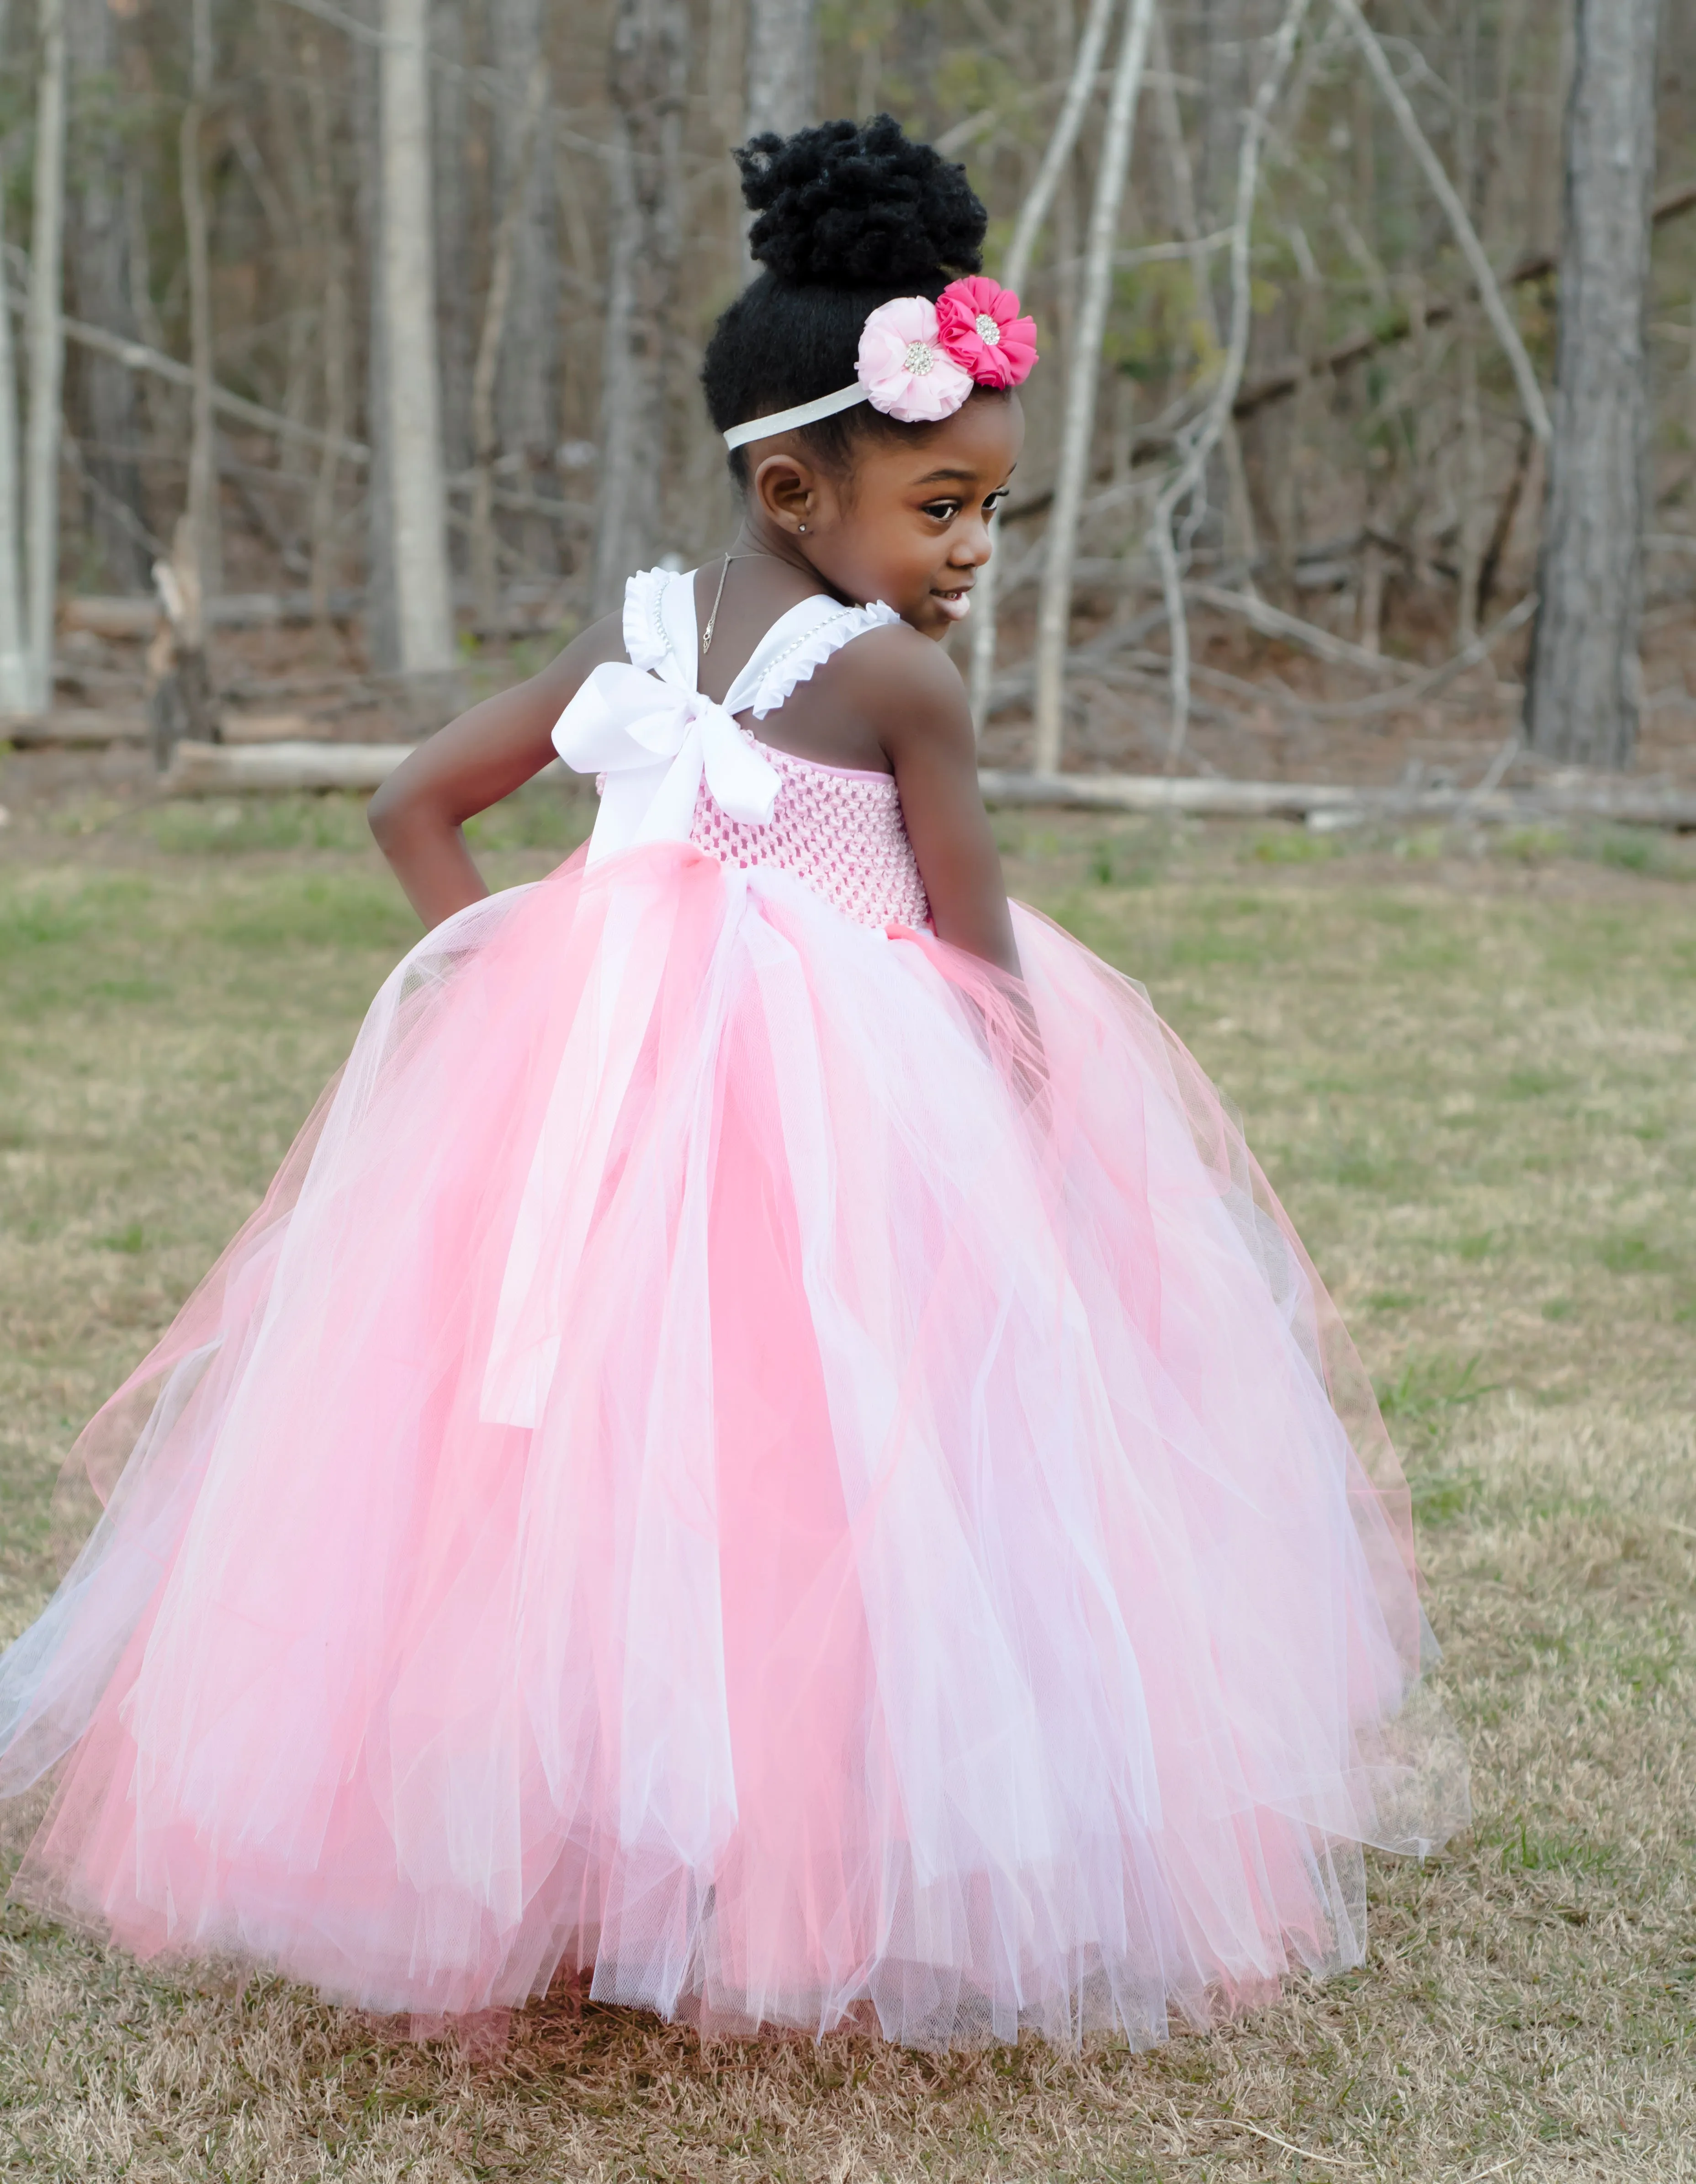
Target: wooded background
(1366, 328)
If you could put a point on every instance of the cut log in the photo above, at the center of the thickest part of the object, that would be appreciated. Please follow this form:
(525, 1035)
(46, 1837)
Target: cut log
(276, 728)
(285, 768)
(111, 617)
(1156, 793)
(139, 618)
(280, 769)
(73, 724)
(1339, 803)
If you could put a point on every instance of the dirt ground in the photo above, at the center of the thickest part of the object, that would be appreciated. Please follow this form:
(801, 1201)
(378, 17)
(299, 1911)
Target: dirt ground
(1466, 1062)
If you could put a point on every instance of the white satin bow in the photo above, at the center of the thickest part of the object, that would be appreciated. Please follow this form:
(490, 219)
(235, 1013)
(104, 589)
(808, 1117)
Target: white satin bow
(653, 742)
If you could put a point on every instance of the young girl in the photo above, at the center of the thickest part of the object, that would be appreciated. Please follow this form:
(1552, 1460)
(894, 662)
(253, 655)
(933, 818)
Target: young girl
(770, 1439)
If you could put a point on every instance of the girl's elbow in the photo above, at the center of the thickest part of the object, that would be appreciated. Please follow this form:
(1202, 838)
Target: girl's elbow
(386, 814)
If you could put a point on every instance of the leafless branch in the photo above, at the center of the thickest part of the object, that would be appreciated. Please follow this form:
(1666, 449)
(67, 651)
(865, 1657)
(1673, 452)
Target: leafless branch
(1489, 290)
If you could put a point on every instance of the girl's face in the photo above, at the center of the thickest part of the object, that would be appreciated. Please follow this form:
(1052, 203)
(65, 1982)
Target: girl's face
(910, 526)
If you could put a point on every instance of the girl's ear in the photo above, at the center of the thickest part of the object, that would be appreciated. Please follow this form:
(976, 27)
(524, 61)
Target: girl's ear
(786, 488)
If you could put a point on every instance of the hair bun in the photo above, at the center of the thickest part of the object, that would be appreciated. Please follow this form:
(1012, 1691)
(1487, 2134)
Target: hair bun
(847, 205)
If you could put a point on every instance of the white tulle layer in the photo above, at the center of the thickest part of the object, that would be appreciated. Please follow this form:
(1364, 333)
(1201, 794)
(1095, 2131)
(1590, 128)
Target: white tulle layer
(723, 1459)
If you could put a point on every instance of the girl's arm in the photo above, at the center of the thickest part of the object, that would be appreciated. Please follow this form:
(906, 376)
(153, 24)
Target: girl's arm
(475, 761)
(913, 692)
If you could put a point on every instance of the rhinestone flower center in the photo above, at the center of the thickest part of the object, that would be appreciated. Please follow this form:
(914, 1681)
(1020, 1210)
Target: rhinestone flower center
(988, 332)
(920, 358)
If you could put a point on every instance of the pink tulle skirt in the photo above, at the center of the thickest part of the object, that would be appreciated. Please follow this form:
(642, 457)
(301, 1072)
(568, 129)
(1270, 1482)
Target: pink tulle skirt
(741, 1453)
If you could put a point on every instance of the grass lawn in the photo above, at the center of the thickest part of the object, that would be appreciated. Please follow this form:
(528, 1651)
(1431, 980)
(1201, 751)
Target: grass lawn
(1470, 1078)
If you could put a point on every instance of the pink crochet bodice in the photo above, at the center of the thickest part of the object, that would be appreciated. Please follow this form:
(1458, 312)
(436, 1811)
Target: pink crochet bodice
(842, 833)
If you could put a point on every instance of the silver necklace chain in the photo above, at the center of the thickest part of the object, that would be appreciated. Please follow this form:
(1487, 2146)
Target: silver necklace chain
(718, 597)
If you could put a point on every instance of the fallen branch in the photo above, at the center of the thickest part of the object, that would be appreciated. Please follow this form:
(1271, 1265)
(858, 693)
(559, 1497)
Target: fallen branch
(282, 769)
(136, 356)
(136, 617)
(82, 726)
(1282, 380)
(1338, 802)
(211, 769)
(1016, 682)
(274, 728)
(1433, 679)
(1093, 658)
(1489, 293)
(1271, 621)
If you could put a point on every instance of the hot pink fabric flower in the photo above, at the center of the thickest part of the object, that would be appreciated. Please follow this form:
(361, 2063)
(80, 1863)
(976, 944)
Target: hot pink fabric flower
(982, 331)
(902, 367)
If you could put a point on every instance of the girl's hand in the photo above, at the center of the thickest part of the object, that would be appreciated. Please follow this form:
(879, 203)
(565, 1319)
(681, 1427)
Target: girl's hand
(476, 759)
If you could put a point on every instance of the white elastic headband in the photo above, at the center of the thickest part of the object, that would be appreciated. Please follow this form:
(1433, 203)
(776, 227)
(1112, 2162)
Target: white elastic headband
(803, 413)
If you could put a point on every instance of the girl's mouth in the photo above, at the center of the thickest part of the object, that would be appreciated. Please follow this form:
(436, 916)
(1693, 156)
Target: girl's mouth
(956, 605)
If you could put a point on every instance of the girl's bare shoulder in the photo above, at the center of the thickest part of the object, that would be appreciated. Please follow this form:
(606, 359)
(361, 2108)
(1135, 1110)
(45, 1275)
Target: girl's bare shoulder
(602, 641)
(907, 685)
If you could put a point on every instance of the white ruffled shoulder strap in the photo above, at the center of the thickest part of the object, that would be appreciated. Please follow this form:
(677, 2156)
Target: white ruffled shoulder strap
(797, 644)
(660, 624)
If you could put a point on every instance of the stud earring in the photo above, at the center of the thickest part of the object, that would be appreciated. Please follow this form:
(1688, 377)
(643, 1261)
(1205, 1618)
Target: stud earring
(801, 528)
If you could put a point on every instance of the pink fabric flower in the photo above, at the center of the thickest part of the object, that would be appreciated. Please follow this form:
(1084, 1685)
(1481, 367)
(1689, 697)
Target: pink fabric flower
(902, 367)
(981, 330)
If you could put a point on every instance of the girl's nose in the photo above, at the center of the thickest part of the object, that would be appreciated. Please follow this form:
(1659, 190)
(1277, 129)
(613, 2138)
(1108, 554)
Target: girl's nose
(974, 546)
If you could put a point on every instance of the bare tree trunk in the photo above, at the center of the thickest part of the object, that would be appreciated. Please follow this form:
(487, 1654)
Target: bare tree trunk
(203, 448)
(333, 332)
(646, 77)
(46, 359)
(451, 157)
(382, 632)
(1471, 496)
(14, 660)
(14, 663)
(484, 578)
(727, 44)
(1053, 607)
(178, 684)
(290, 213)
(1182, 186)
(406, 296)
(527, 381)
(1056, 157)
(782, 64)
(1223, 31)
(97, 262)
(1198, 441)
(1582, 700)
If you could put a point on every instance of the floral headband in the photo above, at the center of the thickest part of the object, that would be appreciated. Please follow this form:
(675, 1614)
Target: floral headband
(919, 360)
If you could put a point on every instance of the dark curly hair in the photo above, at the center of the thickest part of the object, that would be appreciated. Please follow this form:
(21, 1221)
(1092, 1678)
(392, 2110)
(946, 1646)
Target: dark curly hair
(850, 214)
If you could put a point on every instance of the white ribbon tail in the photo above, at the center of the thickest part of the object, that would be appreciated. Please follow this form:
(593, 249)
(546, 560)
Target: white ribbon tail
(670, 810)
(744, 785)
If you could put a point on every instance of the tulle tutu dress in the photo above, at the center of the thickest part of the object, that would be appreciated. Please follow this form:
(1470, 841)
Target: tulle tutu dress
(739, 1452)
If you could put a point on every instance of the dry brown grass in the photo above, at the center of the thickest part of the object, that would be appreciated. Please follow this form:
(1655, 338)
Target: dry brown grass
(1472, 1082)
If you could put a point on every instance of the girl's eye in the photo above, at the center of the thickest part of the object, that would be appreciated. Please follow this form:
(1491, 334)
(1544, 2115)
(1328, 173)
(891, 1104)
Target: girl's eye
(995, 500)
(944, 511)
